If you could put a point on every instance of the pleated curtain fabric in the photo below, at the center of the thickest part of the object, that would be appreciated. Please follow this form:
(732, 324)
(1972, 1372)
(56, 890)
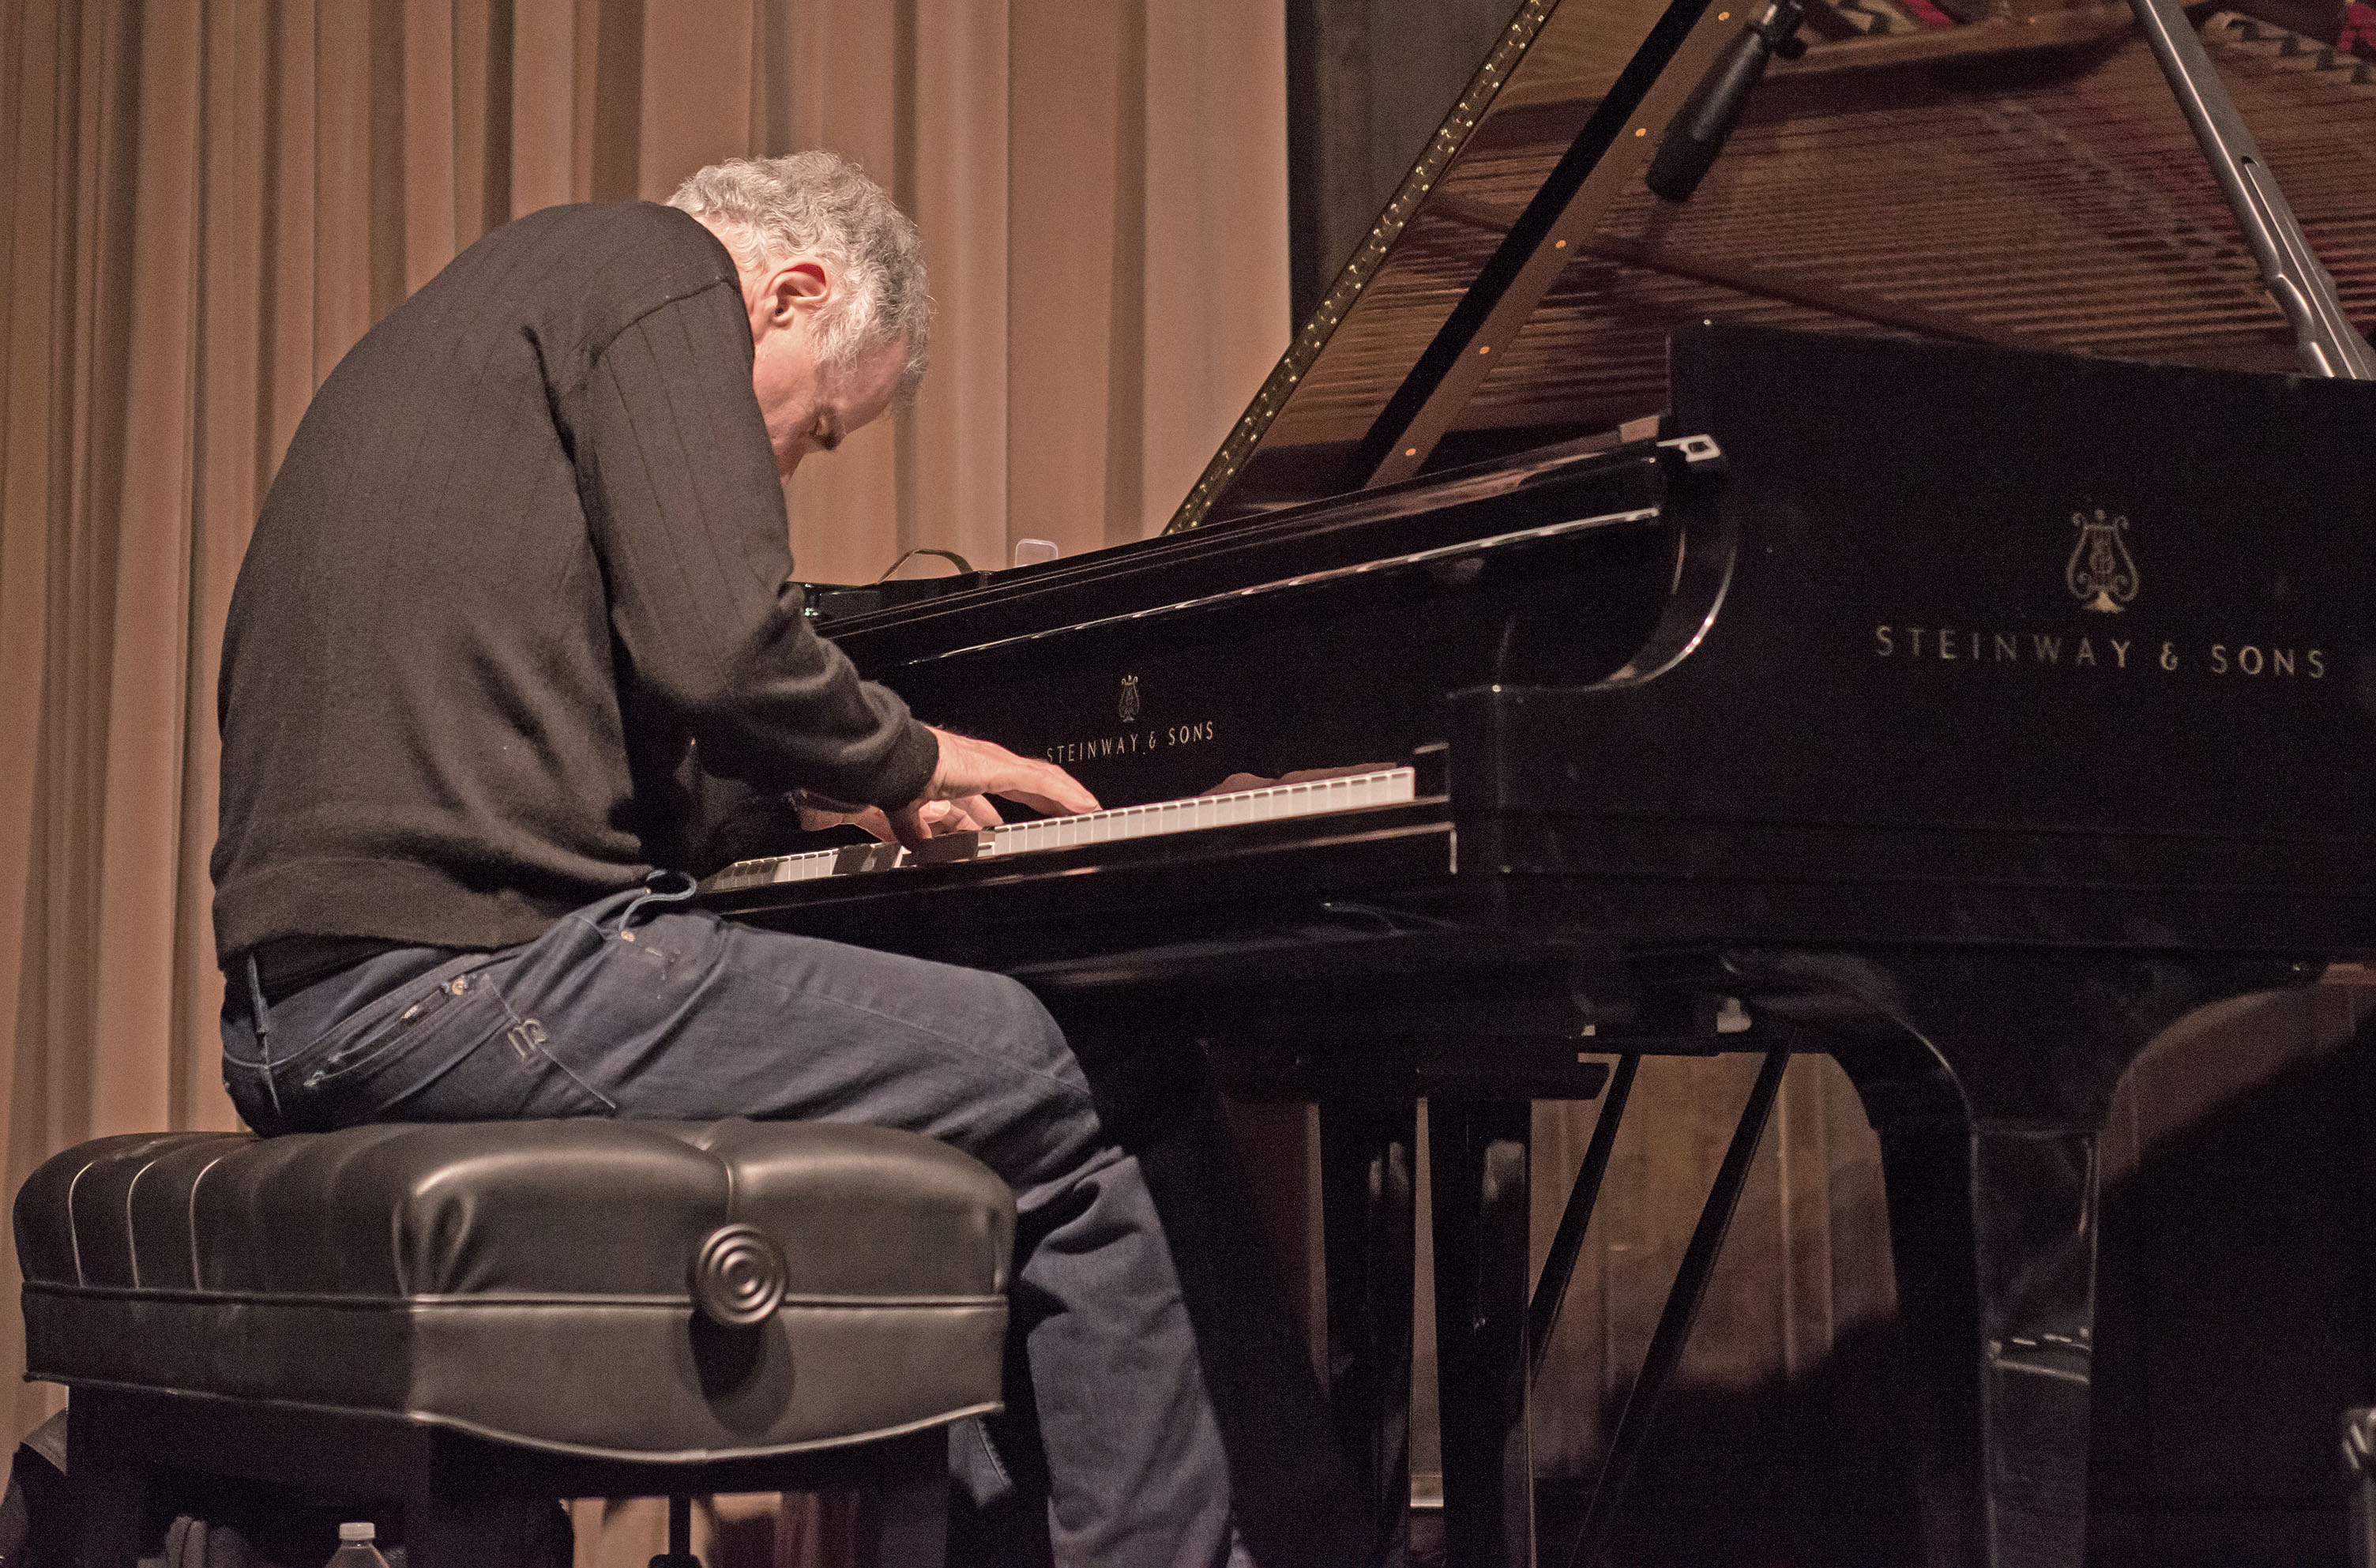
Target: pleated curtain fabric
(207, 201)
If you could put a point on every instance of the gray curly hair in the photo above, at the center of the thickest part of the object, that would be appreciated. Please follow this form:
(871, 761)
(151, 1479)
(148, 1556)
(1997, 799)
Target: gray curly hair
(820, 204)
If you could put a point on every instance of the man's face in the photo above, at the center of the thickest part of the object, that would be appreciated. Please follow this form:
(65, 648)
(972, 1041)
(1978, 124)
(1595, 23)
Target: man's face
(809, 406)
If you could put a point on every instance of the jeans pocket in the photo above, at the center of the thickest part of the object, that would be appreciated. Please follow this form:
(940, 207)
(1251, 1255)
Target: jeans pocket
(451, 1001)
(460, 1054)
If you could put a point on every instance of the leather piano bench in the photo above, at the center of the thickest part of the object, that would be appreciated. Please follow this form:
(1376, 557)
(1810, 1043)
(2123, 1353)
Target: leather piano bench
(438, 1318)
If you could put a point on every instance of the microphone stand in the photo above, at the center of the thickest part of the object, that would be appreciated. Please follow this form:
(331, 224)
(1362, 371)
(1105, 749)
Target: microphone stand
(2323, 336)
(1696, 134)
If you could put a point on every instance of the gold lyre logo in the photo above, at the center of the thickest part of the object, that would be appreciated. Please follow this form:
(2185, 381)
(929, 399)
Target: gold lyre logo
(1128, 705)
(2102, 573)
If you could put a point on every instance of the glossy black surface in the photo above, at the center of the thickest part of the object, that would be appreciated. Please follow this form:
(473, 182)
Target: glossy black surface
(2208, 733)
(1152, 672)
(1884, 731)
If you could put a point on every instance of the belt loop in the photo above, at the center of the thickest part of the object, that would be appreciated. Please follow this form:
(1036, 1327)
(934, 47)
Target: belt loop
(653, 882)
(261, 1014)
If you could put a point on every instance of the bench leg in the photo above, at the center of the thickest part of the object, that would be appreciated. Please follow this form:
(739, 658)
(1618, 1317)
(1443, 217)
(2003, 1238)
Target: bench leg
(903, 1517)
(111, 1503)
(467, 1532)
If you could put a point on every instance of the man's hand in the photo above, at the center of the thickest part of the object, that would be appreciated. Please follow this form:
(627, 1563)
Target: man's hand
(957, 799)
(1237, 782)
(968, 774)
(939, 816)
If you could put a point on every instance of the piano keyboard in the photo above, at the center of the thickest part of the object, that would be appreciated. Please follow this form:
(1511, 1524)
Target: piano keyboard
(1312, 798)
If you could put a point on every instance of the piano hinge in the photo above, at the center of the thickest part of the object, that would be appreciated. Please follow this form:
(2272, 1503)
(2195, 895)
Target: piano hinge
(1700, 454)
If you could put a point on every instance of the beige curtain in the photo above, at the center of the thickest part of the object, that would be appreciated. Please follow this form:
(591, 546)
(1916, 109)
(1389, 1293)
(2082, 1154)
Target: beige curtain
(207, 202)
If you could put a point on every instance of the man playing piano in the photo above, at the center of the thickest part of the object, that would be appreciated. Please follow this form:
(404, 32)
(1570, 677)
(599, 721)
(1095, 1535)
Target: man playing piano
(512, 658)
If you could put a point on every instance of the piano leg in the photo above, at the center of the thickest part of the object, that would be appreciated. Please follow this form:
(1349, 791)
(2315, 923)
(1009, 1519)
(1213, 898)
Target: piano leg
(2035, 1193)
(1367, 1155)
(1478, 1153)
(1988, 1111)
(1926, 1158)
(1993, 1229)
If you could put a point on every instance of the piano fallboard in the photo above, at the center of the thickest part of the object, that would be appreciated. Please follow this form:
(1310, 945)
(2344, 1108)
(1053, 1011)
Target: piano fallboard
(1323, 637)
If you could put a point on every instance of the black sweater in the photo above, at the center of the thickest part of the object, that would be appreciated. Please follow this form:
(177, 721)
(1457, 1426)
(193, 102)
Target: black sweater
(515, 612)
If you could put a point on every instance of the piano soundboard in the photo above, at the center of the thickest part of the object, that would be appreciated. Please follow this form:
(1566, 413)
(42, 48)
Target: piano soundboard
(1274, 802)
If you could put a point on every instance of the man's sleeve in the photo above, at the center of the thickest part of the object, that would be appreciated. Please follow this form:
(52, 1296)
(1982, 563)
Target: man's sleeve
(713, 821)
(687, 513)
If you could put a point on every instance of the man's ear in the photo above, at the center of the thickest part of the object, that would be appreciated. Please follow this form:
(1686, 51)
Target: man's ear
(798, 287)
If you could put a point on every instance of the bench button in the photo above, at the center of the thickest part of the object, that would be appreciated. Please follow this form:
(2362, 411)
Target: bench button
(738, 1276)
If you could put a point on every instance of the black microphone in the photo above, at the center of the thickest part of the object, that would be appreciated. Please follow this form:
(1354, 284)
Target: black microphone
(1696, 134)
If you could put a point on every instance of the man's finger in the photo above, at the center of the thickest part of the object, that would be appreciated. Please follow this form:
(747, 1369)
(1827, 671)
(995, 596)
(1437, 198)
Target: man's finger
(1040, 803)
(968, 767)
(908, 827)
(1050, 792)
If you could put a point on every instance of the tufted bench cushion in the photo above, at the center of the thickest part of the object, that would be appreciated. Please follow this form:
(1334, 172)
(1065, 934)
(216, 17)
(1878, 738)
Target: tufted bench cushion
(529, 1281)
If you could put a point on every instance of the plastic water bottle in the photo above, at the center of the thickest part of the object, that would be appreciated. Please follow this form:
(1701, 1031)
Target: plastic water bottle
(355, 1548)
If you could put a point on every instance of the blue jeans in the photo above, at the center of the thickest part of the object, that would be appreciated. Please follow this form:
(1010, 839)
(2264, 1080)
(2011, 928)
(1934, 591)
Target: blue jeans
(642, 1006)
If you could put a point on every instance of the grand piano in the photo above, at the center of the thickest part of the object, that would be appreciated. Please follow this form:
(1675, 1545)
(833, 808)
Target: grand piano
(1903, 603)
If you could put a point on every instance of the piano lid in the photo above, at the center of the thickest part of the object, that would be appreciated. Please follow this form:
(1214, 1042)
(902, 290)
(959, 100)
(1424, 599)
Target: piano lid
(2011, 171)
